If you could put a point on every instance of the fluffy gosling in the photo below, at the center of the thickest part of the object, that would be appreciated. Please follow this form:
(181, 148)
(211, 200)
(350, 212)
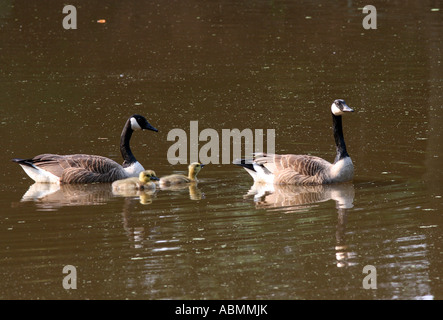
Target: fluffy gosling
(143, 182)
(177, 179)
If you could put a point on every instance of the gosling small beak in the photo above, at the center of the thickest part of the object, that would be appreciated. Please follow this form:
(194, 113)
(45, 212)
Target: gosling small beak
(155, 178)
(202, 165)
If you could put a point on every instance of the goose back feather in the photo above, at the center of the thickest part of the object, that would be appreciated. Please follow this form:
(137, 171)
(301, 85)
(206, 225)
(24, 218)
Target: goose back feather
(76, 168)
(295, 169)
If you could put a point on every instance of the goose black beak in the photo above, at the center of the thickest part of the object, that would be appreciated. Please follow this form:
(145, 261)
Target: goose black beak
(155, 178)
(346, 108)
(149, 127)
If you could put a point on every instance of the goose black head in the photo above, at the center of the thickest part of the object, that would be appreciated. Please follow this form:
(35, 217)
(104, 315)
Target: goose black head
(339, 107)
(139, 122)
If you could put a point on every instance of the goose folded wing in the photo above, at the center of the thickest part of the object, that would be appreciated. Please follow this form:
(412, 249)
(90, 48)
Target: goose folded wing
(79, 168)
(293, 169)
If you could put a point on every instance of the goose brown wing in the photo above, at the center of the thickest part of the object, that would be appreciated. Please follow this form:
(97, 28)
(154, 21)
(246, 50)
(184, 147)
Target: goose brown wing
(79, 168)
(294, 169)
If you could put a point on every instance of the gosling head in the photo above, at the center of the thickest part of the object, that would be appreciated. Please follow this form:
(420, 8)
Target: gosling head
(339, 107)
(139, 122)
(194, 169)
(147, 176)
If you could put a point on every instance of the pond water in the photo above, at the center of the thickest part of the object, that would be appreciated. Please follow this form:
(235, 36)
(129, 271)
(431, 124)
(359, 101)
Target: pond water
(226, 64)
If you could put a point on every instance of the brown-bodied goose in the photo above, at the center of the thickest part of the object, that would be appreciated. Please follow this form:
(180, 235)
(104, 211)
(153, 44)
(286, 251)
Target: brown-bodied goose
(304, 169)
(84, 168)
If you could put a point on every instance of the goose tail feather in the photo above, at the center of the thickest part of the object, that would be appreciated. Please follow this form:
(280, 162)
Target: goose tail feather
(257, 171)
(24, 162)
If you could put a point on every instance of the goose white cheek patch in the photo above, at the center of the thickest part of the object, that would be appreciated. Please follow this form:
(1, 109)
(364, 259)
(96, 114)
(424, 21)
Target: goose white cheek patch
(335, 110)
(134, 125)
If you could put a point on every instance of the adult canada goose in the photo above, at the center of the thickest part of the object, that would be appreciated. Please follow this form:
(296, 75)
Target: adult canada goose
(84, 168)
(143, 182)
(304, 169)
(176, 179)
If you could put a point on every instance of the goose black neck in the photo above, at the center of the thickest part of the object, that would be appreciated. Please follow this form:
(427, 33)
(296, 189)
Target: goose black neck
(339, 139)
(125, 150)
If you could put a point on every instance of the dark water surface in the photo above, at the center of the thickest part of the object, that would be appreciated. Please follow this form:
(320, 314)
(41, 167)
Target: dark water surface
(226, 64)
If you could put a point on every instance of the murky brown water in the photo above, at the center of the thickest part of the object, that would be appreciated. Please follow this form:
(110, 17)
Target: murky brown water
(227, 64)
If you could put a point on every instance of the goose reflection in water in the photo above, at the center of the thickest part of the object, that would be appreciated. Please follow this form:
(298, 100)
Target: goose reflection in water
(53, 196)
(50, 196)
(295, 198)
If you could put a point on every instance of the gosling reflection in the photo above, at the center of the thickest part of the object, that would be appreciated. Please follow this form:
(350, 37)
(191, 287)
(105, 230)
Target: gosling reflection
(194, 192)
(293, 198)
(144, 196)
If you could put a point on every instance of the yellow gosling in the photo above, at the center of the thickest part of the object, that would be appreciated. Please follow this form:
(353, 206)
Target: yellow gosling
(143, 182)
(176, 179)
